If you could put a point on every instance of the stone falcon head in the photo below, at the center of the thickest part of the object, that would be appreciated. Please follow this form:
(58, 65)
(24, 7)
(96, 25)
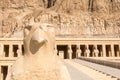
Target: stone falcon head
(38, 36)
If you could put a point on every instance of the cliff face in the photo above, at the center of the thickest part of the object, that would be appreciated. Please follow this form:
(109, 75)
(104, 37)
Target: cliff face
(83, 18)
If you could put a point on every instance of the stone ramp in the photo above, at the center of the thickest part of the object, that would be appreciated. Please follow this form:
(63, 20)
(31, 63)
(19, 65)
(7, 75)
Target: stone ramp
(113, 72)
(82, 72)
(75, 74)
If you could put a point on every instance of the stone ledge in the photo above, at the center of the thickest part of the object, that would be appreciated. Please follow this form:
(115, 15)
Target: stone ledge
(102, 62)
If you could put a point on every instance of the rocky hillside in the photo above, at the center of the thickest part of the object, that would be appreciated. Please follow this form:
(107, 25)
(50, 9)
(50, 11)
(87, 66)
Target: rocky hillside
(78, 18)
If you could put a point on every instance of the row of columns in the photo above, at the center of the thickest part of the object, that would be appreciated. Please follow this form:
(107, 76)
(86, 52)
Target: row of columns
(95, 52)
(8, 50)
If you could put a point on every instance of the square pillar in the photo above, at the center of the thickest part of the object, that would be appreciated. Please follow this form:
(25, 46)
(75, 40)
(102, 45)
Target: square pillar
(1, 50)
(112, 51)
(96, 51)
(70, 51)
(19, 50)
(78, 51)
(103, 50)
(11, 51)
(61, 54)
(55, 50)
(9, 68)
(87, 51)
(118, 53)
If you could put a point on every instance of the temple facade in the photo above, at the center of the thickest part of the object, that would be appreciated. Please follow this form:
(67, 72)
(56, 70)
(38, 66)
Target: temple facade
(65, 48)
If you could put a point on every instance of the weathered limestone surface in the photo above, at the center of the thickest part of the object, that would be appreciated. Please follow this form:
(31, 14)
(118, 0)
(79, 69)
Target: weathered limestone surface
(39, 61)
(87, 18)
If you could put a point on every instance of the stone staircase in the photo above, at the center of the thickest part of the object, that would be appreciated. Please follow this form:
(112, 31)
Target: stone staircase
(94, 74)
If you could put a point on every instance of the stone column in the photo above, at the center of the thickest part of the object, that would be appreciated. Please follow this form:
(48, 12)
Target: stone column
(87, 51)
(19, 50)
(56, 51)
(93, 54)
(9, 68)
(11, 54)
(112, 51)
(78, 51)
(70, 51)
(100, 52)
(96, 51)
(103, 50)
(118, 52)
(1, 50)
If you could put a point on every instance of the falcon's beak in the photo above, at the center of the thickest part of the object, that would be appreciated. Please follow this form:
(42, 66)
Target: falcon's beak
(41, 40)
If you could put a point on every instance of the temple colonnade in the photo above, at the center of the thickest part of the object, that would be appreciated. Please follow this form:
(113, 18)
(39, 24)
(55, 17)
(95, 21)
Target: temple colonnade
(88, 50)
(87, 47)
(68, 48)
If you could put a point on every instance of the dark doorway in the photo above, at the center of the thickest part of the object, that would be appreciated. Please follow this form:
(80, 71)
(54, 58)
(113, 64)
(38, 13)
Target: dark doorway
(91, 48)
(22, 49)
(99, 47)
(4, 70)
(74, 51)
(6, 50)
(108, 51)
(116, 50)
(64, 49)
(15, 48)
(82, 47)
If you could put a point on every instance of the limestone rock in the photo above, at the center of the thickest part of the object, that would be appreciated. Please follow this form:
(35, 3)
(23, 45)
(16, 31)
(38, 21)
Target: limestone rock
(72, 17)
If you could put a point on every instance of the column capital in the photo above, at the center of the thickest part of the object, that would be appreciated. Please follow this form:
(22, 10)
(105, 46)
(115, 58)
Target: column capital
(78, 45)
(69, 46)
(95, 46)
